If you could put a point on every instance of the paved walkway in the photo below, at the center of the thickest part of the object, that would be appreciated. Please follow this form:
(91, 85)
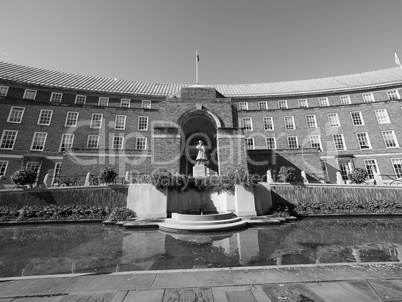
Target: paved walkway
(335, 282)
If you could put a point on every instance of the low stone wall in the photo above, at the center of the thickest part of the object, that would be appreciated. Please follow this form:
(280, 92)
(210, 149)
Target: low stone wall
(333, 193)
(112, 196)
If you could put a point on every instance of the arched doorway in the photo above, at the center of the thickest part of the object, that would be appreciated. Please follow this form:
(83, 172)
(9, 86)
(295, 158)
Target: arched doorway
(198, 125)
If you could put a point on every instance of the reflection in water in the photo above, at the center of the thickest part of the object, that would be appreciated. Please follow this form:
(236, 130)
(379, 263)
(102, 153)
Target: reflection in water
(39, 250)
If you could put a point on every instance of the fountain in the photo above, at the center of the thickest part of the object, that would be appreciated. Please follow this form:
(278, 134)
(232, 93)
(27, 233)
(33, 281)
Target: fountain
(202, 223)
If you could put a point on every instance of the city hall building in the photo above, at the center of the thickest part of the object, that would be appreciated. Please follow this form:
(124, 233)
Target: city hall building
(66, 125)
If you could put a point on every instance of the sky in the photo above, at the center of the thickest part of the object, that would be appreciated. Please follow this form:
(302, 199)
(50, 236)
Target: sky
(239, 41)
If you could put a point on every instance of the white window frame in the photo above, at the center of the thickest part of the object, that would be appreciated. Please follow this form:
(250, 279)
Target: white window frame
(30, 94)
(250, 146)
(382, 116)
(146, 104)
(345, 99)
(268, 121)
(11, 115)
(397, 170)
(395, 141)
(3, 90)
(368, 97)
(289, 139)
(89, 140)
(312, 123)
(56, 173)
(142, 141)
(324, 102)
(360, 118)
(243, 106)
(119, 140)
(263, 105)
(292, 119)
(283, 104)
(393, 94)
(371, 163)
(244, 123)
(80, 99)
(303, 103)
(68, 144)
(93, 126)
(35, 140)
(315, 141)
(75, 120)
(125, 103)
(56, 97)
(333, 123)
(103, 101)
(342, 139)
(3, 167)
(359, 141)
(40, 116)
(139, 123)
(15, 134)
(267, 144)
(123, 122)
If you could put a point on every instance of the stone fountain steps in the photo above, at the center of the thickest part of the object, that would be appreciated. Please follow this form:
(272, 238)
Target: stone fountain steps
(202, 223)
(171, 227)
(210, 222)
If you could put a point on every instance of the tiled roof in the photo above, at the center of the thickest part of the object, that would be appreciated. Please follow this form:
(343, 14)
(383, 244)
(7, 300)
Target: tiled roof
(56, 79)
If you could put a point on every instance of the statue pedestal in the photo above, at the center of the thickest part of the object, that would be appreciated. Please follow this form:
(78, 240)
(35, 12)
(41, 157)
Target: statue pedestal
(199, 171)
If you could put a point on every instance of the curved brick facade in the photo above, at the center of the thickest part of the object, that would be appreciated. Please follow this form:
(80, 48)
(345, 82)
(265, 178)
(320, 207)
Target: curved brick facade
(72, 124)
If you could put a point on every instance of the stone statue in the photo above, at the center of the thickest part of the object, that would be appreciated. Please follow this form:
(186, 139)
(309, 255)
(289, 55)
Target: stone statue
(201, 156)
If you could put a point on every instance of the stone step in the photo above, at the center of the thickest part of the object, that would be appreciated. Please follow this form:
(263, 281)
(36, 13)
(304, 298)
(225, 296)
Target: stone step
(171, 227)
(209, 222)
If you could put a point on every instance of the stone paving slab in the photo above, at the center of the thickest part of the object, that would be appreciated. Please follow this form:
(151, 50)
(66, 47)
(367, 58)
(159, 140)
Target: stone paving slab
(109, 283)
(246, 293)
(34, 287)
(290, 292)
(388, 290)
(203, 294)
(340, 291)
(104, 297)
(153, 295)
(325, 283)
(39, 299)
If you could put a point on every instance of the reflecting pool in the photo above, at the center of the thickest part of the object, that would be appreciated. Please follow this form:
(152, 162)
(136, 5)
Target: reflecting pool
(79, 248)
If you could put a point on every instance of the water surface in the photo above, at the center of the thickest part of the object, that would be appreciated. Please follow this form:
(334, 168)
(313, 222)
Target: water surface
(78, 248)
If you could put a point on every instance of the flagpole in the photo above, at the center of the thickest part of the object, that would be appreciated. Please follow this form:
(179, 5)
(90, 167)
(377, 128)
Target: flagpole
(397, 62)
(197, 58)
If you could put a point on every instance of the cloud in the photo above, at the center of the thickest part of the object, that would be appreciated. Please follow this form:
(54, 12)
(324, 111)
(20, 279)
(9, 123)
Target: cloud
(3, 53)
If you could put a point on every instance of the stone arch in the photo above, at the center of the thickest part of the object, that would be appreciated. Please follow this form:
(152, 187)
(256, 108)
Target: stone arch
(198, 124)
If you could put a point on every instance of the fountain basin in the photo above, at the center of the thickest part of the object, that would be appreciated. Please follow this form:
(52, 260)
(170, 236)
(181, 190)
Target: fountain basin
(202, 223)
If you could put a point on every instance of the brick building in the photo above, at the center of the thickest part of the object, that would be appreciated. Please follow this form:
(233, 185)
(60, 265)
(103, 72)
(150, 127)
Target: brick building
(65, 124)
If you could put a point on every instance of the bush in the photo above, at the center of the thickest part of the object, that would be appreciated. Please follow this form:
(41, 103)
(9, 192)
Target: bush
(64, 212)
(120, 214)
(162, 179)
(24, 177)
(358, 176)
(287, 174)
(347, 206)
(107, 176)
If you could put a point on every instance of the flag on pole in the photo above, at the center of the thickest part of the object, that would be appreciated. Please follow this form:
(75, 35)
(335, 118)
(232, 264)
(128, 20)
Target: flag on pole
(197, 56)
(397, 62)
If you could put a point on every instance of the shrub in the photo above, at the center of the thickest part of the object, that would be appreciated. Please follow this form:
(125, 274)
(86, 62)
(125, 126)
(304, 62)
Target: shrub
(287, 174)
(120, 214)
(107, 176)
(161, 178)
(24, 177)
(358, 176)
(54, 212)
